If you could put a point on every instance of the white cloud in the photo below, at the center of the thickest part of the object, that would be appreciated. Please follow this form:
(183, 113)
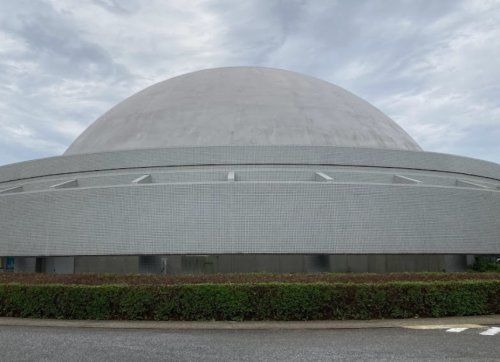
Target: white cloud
(432, 66)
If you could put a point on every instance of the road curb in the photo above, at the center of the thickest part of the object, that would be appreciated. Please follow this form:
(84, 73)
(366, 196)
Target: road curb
(416, 323)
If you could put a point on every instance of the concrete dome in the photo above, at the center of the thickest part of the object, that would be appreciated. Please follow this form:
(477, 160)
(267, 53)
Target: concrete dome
(242, 106)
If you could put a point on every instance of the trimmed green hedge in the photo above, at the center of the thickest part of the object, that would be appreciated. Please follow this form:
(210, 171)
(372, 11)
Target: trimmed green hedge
(270, 301)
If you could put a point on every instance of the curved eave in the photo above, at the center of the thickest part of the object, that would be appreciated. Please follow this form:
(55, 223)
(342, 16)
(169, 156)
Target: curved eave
(250, 155)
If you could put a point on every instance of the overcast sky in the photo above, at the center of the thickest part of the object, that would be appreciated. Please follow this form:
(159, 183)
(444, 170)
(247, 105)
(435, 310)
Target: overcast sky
(432, 66)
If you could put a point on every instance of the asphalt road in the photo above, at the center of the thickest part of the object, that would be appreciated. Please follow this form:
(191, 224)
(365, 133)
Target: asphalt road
(83, 344)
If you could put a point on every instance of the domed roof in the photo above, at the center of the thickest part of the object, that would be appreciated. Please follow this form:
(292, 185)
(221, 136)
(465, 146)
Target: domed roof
(242, 106)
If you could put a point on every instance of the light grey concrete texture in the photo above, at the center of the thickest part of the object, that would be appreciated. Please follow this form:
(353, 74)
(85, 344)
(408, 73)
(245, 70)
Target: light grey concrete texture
(477, 322)
(12, 189)
(295, 173)
(70, 344)
(250, 155)
(242, 106)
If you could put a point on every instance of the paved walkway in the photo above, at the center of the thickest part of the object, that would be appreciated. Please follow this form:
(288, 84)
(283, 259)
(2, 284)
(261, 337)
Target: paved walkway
(417, 323)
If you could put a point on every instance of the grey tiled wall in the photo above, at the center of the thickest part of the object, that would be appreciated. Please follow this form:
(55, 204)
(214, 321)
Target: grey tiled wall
(262, 211)
(248, 217)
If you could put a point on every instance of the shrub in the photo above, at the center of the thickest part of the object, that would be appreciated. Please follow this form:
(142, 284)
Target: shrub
(264, 301)
(485, 264)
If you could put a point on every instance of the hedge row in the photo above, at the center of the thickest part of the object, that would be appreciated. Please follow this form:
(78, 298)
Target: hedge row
(240, 278)
(271, 301)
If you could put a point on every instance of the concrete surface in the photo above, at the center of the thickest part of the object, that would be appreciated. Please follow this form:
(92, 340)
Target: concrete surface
(80, 344)
(448, 322)
(227, 158)
(242, 106)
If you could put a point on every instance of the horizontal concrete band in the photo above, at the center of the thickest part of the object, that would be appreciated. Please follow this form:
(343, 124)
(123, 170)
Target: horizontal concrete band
(248, 155)
(413, 323)
(251, 217)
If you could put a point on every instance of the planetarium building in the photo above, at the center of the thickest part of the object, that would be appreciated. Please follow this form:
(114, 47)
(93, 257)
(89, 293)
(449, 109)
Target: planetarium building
(247, 169)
